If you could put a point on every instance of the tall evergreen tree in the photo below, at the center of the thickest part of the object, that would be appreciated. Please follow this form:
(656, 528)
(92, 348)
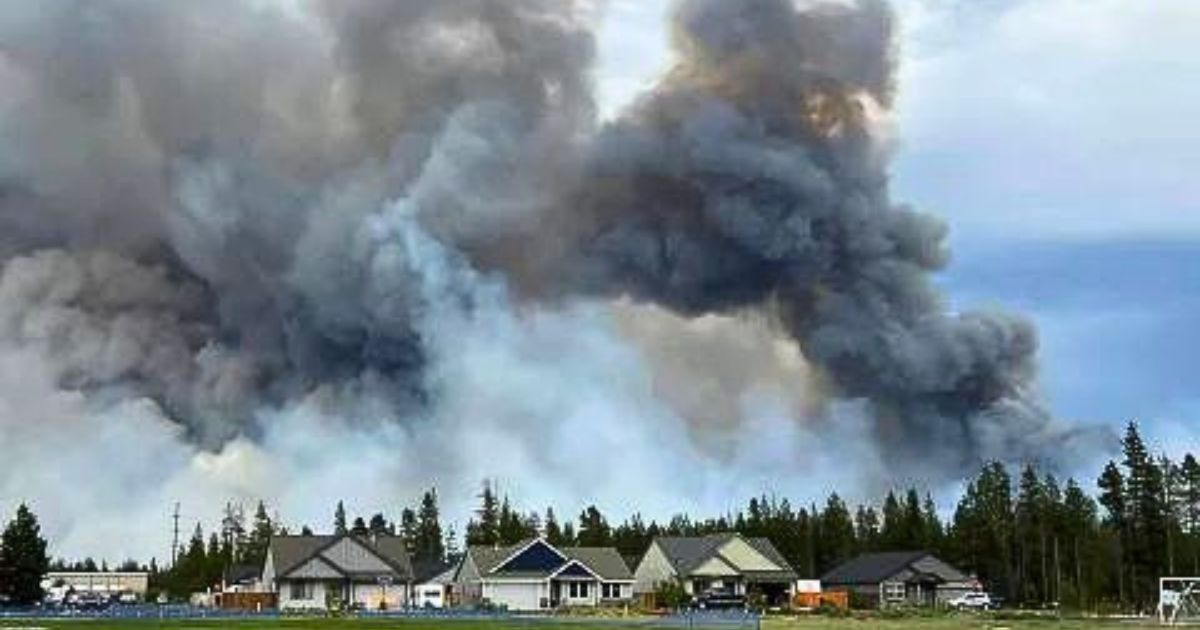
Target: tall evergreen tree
(23, 558)
(1147, 518)
(1117, 520)
(260, 536)
(378, 525)
(484, 529)
(552, 530)
(931, 524)
(339, 519)
(1189, 497)
(1079, 538)
(836, 543)
(408, 529)
(593, 529)
(866, 528)
(429, 543)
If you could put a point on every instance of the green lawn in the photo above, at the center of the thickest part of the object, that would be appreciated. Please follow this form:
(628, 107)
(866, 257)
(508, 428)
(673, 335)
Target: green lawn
(948, 623)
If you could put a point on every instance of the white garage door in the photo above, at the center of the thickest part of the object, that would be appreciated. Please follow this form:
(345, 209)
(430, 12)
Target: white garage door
(518, 596)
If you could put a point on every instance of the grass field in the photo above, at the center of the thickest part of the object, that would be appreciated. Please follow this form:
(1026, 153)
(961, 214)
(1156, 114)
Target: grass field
(816, 623)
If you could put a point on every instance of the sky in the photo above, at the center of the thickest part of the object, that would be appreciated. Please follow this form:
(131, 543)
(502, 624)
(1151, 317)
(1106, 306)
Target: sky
(1059, 140)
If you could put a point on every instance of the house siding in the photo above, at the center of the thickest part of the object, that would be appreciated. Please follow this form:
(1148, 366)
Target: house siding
(654, 569)
(315, 569)
(469, 587)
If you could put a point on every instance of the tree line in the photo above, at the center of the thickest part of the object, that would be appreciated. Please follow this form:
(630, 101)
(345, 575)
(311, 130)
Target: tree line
(1028, 536)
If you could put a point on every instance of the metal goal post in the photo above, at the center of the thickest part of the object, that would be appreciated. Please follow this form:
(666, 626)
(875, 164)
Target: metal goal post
(1179, 601)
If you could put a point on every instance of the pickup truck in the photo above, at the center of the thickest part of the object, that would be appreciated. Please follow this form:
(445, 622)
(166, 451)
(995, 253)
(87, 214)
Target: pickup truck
(972, 601)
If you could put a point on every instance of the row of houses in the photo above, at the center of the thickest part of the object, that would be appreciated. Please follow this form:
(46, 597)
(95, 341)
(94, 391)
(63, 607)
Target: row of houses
(376, 572)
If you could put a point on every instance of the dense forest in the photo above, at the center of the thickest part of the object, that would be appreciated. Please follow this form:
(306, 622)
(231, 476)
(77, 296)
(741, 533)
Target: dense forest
(1030, 537)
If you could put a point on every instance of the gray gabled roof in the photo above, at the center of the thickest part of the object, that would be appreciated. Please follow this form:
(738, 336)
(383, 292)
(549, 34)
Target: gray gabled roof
(291, 552)
(603, 561)
(872, 568)
(687, 553)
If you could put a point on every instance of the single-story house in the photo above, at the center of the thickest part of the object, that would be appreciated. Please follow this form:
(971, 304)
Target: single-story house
(718, 563)
(535, 575)
(915, 578)
(324, 572)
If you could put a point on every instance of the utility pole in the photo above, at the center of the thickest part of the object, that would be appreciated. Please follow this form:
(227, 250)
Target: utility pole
(175, 535)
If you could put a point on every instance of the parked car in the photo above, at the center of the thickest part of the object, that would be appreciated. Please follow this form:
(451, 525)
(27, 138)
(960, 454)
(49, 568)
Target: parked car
(88, 601)
(973, 601)
(719, 600)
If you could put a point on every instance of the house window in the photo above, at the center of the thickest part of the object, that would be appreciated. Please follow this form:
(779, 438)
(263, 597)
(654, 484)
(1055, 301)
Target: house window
(611, 591)
(893, 591)
(300, 590)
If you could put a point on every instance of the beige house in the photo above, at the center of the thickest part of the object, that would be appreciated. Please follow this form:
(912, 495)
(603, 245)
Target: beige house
(325, 572)
(718, 564)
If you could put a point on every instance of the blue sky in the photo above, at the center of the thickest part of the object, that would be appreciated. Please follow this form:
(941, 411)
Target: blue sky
(1061, 140)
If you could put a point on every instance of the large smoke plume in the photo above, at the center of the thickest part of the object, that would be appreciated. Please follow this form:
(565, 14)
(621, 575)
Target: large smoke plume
(286, 249)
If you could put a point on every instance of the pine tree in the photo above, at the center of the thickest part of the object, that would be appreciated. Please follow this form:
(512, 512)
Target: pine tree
(1189, 473)
(1028, 535)
(1113, 498)
(836, 543)
(429, 544)
(892, 534)
(1080, 535)
(934, 532)
(553, 532)
(260, 536)
(593, 529)
(408, 529)
(484, 529)
(339, 519)
(1147, 518)
(23, 558)
(866, 528)
(233, 531)
(378, 525)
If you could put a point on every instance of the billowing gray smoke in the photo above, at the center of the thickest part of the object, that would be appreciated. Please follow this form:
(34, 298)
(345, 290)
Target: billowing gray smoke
(755, 174)
(395, 234)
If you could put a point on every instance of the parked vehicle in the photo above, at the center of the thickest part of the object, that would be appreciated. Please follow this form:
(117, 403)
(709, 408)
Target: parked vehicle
(87, 601)
(973, 601)
(719, 600)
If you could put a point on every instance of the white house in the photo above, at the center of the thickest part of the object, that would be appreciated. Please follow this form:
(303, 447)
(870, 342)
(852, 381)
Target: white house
(323, 572)
(535, 575)
(720, 563)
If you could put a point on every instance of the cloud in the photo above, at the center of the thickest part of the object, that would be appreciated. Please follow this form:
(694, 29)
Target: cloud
(1052, 119)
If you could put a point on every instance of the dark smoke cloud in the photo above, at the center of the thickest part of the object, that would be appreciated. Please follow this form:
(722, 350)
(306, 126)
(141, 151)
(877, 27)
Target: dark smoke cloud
(231, 212)
(755, 174)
